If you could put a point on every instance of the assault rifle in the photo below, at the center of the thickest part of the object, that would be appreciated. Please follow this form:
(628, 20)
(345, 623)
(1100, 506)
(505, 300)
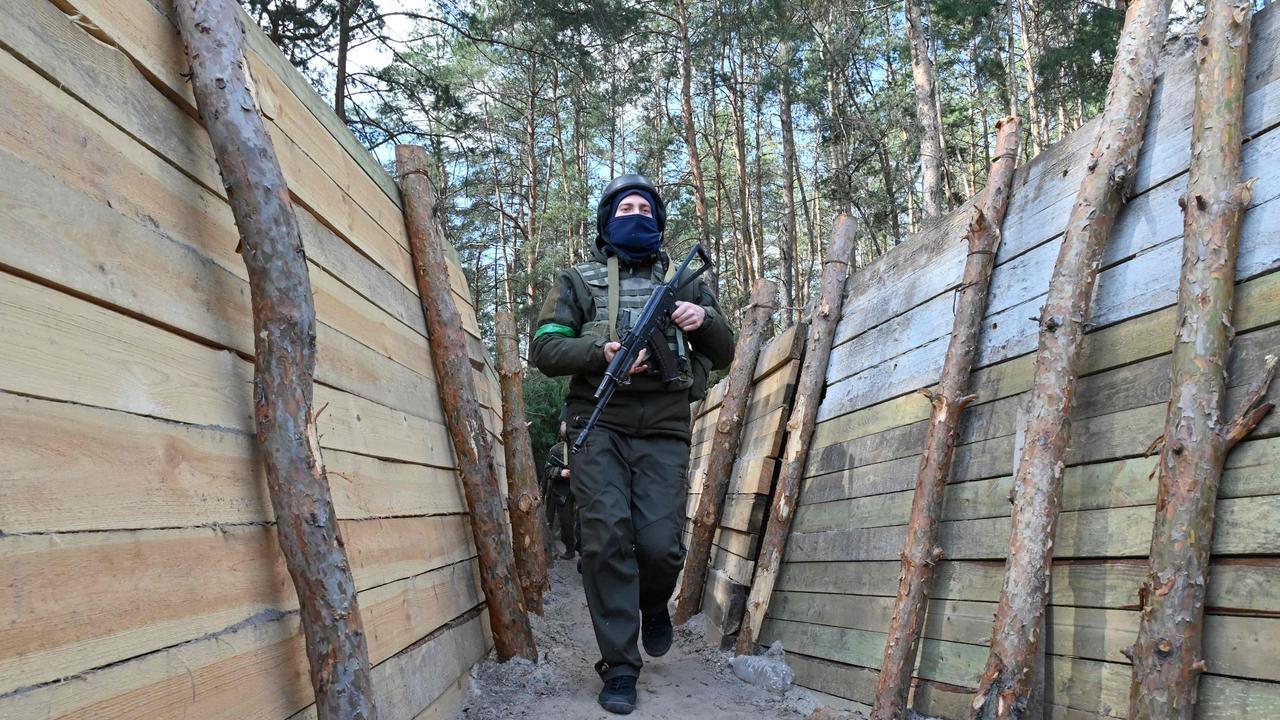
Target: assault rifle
(648, 331)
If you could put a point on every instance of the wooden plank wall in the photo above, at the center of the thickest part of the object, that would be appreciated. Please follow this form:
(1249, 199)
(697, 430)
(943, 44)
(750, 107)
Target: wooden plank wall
(736, 542)
(141, 573)
(836, 590)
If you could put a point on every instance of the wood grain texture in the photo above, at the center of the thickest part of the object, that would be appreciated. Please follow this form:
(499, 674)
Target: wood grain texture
(258, 669)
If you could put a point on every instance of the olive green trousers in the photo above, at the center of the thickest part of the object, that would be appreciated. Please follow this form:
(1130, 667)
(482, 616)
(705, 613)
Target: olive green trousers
(631, 494)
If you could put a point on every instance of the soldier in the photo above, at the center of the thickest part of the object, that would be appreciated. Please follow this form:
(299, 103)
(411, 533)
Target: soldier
(630, 479)
(557, 493)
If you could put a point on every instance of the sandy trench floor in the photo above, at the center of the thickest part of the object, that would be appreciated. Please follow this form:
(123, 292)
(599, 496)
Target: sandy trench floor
(694, 680)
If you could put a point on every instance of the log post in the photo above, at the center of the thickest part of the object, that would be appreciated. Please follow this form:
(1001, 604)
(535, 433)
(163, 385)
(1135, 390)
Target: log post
(949, 401)
(804, 414)
(284, 362)
(524, 500)
(1005, 684)
(512, 636)
(1197, 437)
(727, 438)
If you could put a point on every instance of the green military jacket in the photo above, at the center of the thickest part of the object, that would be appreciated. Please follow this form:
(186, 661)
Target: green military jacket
(552, 481)
(570, 341)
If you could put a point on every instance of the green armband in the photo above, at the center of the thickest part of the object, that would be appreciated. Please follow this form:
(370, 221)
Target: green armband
(554, 329)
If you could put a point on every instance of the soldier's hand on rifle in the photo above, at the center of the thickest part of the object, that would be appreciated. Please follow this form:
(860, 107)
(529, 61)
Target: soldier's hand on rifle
(688, 316)
(612, 348)
(564, 472)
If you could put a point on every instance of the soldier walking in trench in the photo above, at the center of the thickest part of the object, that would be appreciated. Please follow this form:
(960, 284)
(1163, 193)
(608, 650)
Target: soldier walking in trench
(629, 479)
(557, 493)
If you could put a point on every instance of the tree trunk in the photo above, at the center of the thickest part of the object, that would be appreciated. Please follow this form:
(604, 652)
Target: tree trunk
(1197, 438)
(524, 500)
(1005, 683)
(825, 314)
(949, 401)
(1012, 74)
(926, 113)
(790, 243)
(758, 194)
(738, 105)
(728, 436)
(533, 239)
(284, 332)
(511, 634)
(690, 131)
(346, 8)
(1027, 29)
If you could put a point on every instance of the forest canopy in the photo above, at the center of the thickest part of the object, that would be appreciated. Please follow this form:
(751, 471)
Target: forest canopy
(761, 121)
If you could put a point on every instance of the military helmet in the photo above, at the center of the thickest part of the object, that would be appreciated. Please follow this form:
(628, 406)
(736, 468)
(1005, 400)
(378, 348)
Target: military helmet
(616, 188)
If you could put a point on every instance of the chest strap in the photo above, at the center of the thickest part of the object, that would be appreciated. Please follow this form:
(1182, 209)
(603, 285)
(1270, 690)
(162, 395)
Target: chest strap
(613, 297)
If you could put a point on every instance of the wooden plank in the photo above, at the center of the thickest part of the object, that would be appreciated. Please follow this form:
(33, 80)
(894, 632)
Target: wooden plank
(927, 697)
(744, 512)
(767, 397)
(1143, 225)
(149, 37)
(1236, 585)
(308, 182)
(1017, 287)
(1071, 682)
(722, 602)
(1233, 645)
(739, 542)
(1244, 526)
(1136, 339)
(409, 683)
(1119, 435)
(257, 668)
(735, 567)
(122, 471)
(450, 702)
(845, 681)
(1140, 285)
(991, 458)
(788, 346)
(64, 201)
(1134, 385)
(140, 591)
(320, 175)
(77, 243)
(1118, 483)
(783, 349)
(66, 349)
(761, 436)
(753, 475)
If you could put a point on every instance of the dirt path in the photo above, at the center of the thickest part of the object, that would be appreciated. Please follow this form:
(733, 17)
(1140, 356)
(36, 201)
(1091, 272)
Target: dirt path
(693, 680)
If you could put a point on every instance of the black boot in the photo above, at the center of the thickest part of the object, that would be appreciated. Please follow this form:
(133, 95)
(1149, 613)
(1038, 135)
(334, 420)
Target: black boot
(656, 632)
(618, 695)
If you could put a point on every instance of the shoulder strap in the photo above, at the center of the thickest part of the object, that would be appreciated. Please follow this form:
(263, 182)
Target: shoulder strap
(671, 273)
(613, 297)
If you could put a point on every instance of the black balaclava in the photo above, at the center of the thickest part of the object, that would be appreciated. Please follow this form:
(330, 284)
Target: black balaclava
(633, 237)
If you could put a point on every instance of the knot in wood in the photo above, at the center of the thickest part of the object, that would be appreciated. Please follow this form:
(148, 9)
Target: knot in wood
(1052, 324)
(1164, 647)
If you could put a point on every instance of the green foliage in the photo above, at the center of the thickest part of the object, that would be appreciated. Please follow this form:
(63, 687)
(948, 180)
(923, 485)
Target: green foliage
(1080, 63)
(543, 400)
